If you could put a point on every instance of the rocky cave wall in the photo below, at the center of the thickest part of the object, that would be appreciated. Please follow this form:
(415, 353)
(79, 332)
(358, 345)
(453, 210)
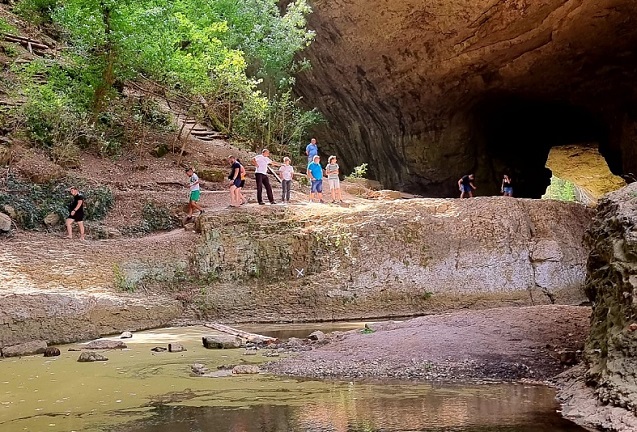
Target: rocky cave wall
(392, 258)
(602, 395)
(426, 91)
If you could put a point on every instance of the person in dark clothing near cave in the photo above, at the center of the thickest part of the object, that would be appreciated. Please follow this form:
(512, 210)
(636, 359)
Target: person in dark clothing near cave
(507, 186)
(76, 213)
(466, 186)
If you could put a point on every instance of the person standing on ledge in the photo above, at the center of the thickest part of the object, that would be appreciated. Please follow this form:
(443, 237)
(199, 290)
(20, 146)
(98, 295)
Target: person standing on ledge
(507, 186)
(287, 172)
(261, 174)
(76, 213)
(465, 184)
(315, 175)
(193, 184)
(311, 150)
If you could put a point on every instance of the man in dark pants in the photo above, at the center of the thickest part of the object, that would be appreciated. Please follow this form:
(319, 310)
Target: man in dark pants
(261, 162)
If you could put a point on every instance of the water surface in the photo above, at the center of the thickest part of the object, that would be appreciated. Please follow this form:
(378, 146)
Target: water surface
(141, 391)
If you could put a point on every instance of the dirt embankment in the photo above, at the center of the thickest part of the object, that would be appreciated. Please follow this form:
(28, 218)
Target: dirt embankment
(496, 344)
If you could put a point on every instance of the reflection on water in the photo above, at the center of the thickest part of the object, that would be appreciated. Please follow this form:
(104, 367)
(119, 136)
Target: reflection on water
(371, 408)
(141, 391)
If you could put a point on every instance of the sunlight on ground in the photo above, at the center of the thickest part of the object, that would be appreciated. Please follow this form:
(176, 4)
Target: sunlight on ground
(584, 166)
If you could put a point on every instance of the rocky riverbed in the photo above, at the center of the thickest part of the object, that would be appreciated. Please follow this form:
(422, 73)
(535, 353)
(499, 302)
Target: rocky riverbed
(505, 344)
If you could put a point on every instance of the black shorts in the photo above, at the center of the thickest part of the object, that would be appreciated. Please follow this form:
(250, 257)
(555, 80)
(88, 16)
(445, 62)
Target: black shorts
(239, 183)
(77, 217)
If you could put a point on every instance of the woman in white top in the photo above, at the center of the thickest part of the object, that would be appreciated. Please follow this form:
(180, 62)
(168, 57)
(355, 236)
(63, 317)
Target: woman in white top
(287, 172)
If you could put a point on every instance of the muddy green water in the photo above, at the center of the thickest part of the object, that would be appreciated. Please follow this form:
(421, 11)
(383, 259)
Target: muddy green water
(141, 391)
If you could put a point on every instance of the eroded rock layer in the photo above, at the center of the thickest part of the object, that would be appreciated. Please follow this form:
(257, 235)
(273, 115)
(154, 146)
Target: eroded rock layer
(426, 91)
(609, 397)
(392, 258)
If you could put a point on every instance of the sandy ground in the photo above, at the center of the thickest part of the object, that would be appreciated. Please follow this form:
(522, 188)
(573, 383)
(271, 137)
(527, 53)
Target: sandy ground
(501, 344)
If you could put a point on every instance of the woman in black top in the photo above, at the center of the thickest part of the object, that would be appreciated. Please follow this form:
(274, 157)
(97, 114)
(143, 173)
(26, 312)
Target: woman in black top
(507, 186)
(76, 213)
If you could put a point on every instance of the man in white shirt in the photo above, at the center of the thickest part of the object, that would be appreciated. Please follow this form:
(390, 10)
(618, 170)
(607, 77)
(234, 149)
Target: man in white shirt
(261, 162)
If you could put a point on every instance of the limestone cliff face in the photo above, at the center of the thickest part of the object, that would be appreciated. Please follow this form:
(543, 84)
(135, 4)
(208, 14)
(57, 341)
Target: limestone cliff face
(426, 91)
(394, 258)
(611, 351)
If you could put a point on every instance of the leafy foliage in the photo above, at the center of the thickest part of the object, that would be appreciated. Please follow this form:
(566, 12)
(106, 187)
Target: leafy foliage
(33, 202)
(561, 190)
(359, 171)
(236, 56)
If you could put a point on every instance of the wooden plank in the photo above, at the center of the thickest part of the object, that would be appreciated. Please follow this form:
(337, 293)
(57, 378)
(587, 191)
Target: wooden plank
(276, 176)
(250, 337)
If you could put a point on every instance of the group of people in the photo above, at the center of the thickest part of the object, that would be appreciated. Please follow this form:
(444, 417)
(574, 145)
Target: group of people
(466, 186)
(262, 162)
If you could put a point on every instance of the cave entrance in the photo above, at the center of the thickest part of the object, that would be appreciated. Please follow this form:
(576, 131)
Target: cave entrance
(580, 173)
(518, 135)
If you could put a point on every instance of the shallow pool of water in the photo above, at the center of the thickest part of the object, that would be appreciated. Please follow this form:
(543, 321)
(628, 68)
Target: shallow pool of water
(141, 391)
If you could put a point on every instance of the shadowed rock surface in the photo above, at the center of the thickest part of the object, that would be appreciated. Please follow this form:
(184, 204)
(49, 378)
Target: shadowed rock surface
(427, 91)
(604, 394)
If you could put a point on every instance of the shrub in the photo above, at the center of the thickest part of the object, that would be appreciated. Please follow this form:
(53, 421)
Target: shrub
(359, 171)
(155, 217)
(32, 202)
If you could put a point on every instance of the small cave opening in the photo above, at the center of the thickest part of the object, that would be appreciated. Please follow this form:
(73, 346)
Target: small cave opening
(519, 133)
(580, 173)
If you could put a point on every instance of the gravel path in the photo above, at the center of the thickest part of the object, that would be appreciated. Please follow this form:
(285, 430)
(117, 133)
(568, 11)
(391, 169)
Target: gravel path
(501, 344)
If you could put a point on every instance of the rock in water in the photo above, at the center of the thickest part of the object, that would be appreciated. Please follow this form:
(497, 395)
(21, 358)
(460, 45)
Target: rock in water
(317, 336)
(104, 344)
(199, 369)
(159, 349)
(245, 369)
(25, 349)
(222, 342)
(51, 352)
(175, 348)
(89, 356)
(126, 335)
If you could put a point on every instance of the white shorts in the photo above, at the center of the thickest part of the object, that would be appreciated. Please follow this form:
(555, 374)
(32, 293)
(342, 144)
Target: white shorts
(334, 183)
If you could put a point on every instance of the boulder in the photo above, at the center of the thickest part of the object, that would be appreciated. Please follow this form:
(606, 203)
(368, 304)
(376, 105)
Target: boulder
(159, 349)
(160, 150)
(222, 342)
(317, 336)
(5, 223)
(10, 210)
(199, 369)
(246, 369)
(175, 348)
(126, 335)
(25, 349)
(89, 356)
(51, 352)
(105, 344)
(51, 219)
